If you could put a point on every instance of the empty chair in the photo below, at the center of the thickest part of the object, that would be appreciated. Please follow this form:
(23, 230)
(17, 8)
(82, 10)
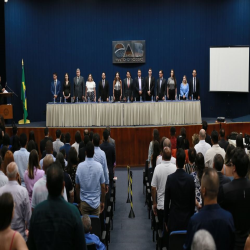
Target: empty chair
(177, 240)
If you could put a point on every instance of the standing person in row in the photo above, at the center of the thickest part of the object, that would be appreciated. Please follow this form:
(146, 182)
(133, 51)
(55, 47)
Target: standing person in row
(172, 86)
(161, 87)
(55, 87)
(79, 87)
(103, 89)
(66, 88)
(149, 85)
(117, 88)
(90, 89)
(184, 89)
(128, 87)
(194, 88)
(139, 86)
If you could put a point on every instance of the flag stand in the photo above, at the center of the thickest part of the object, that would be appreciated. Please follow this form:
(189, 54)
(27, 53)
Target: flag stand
(22, 121)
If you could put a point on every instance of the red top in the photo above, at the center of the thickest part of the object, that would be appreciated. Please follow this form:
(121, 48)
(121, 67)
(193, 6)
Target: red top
(173, 142)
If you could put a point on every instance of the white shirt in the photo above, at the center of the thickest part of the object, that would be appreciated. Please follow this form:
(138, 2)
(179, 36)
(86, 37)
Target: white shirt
(161, 173)
(159, 160)
(76, 146)
(139, 80)
(90, 86)
(149, 81)
(57, 144)
(41, 161)
(209, 157)
(202, 147)
(3, 179)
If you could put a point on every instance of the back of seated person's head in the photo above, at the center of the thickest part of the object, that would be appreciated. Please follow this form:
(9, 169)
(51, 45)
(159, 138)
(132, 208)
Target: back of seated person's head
(204, 125)
(72, 157)
(183, 133)
(55, 179)
(12, 171)
(166, 154)
(78, 137)
(47, 161)
(229, 154)
(240, 161)
(192, 155)
(167, 143)
(86, 221)
(96, 140)
(199, 165)
(91, 134)
(63, 152)
(60, 159)
(67, 138)
(6, 210)
(195, 139)
(210, 184)
(23, 140)
(202, 134)
(218, 162)
(180, 158)
(49, 147)
(222, 132)
(62, 138)
(203, 240)
(46, 131)
(90, 150)
(6, 140)
(105, 135)
(14, 129)
(32, 136)
(180, 142)
(215, 137)
(58, 133)
(4, 149)
(172, 131)
(162, 142)
(239, 141)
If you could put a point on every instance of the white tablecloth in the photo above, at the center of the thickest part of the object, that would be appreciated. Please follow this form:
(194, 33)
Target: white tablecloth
(123, 114)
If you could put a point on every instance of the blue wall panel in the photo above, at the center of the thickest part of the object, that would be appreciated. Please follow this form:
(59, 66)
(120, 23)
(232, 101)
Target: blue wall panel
(60, 36)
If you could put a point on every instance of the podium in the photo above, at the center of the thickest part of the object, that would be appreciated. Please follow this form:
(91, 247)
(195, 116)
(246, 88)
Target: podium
(6, 110)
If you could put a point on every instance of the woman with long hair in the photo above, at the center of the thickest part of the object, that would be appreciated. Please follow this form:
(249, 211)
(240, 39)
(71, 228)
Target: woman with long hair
(66, 88)
(117, 87)
(32, 138)
(227, 167)
(156, 152)
(156, 137)
(8, 158)
(172, 86)
(90, 89)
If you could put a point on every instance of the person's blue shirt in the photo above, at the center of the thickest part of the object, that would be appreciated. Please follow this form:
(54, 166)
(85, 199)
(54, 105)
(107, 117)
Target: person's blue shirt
(89, 175)
(217, 221)
(184, 90)
(92, 238)
(100, 157)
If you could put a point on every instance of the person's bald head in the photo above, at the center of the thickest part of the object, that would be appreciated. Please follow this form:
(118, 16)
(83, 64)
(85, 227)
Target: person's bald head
(202, 134)
(166, 154)
(49, 147)
(12, 171)
(47, 161)
(167, 143)
(210, 184)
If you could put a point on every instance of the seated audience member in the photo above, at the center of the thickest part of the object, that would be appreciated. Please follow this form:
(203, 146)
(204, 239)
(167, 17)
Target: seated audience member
(156, 137)
(197, 174)
(202, 146)
(223, 142)
(190, 166)
(15, 144)
(21, 157)
(161, 173)
(9, 238)
(236, 197)
(57, 144)
(180, 144)
(33, 173)
(155, 154)
(32, 138)
(3, 177)
(43, 141)
(8, 158)
(78, 139)
(21, 198)
(14, 132)
(91, 238)
(184, 135)
(90, 184)
(207, 138)
(166, 143)
(30, 146)
(195, 139)
(40, 191)
(82, 147)
(68, 182)
(215, 149)
(49, 151)
(217, 221)
(179, 196)
(173, 137)
(203, 240)
(55, 224)
(66, 146)
(227, 168)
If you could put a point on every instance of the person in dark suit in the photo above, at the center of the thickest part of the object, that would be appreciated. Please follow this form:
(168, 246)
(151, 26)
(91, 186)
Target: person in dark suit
(161, 87)
(179, 202)
(208, 138)
(236, 197)
(43, 141)
(55, 87)
(194, 87)
(223, 142)
(79, 87)
(139, 86)
(103, 89)
(128, 87)
(66, 146)
(149, 85)
(66, 88)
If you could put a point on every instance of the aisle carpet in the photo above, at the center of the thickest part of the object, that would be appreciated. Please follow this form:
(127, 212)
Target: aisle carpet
(132, 234)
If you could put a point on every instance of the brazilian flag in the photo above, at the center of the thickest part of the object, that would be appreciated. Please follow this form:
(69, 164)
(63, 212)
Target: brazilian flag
(23, 95)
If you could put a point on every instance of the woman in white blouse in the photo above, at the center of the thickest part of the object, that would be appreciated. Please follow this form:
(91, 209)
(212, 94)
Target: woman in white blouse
(90, 89)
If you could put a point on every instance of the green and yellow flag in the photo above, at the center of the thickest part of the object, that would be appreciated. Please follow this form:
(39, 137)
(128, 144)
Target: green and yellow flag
(23, 95)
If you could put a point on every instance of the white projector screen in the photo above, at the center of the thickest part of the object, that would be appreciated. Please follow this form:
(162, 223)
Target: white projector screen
(229, 69)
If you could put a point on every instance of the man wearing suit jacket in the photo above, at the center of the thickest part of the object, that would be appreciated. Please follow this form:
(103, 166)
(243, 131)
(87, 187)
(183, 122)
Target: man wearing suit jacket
(79, 87)
(161, 87)
(43, 141)
(194, 87)
(139, 85)
(104, 89)
(128, 87)
(179, 200)
(149, 85)
(55, 87)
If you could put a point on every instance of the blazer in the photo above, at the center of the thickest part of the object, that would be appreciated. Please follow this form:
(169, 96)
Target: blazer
(127, 91)
(58, 88)
(43, 143)
(161, 91)
(109, 150)
(103, 91)
(136, 87)
(179, 200)
(79, 89)
(191, 92)
(152, 85)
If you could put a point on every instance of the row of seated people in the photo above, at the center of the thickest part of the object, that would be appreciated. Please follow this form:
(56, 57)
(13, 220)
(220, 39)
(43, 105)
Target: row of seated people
(86, 182)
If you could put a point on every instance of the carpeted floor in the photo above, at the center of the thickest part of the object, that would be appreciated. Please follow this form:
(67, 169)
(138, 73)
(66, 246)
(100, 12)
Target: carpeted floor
(132, 234)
